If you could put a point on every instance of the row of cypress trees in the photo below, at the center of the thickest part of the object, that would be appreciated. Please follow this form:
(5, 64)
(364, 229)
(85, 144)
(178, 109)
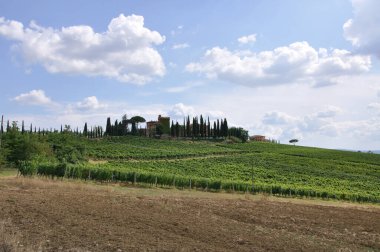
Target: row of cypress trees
(199, 128)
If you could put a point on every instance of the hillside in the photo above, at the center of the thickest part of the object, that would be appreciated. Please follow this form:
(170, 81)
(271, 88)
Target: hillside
(250, 167)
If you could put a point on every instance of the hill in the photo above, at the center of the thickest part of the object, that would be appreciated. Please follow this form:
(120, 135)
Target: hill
(250, 167)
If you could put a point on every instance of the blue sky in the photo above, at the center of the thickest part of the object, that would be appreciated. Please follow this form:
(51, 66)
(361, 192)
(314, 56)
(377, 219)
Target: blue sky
(285, 69)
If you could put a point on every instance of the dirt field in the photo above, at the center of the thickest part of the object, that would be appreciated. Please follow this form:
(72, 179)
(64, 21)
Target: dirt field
(43, 215)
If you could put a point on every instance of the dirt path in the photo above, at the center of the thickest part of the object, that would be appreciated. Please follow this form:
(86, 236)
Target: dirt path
(74, 216)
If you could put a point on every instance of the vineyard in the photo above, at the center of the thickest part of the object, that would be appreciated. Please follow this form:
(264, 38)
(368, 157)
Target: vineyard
(251, 167)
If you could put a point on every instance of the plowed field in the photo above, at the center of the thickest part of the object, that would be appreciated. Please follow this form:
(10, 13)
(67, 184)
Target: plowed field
(47, 215)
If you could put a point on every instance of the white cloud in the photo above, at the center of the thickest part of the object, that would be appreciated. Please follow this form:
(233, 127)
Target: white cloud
(363, 29)
(34, 97)
(247, 39)
(180, 110)
(124, 52)
(184, 87)
(374, 106)
(90, 103)
(276, 117)
(329, 111)
(296, 63)
(180, 46)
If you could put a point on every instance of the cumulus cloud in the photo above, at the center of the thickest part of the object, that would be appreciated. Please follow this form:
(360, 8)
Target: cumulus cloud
(90, 103)
(375, 106)
(276, 117)
(282, 125)
(329, 111)
(34, 97)
(247, 39)
(363, 29)
(181, 110)
(180, 46)
(124, 52)
(296, 63)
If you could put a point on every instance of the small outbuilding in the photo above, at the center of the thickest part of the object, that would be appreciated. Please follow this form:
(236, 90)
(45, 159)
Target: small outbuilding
(258, 138)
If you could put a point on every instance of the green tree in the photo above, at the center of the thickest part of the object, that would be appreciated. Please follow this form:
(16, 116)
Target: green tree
(23, 147)
(172, 129)
(22, 127)
(85, 130)
(293, 141)
(188, 128)
(159, 129)
(177, 129)
(2, 126)
(108, 127)
(136, 120)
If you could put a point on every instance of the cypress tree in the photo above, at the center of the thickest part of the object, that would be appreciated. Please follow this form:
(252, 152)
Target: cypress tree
(177, 129)
(184, 128)
(172, 129)
(8, 127)
(225, 126)
(208, 127)
(217, 128)
(120, 129)
(108, 126)
(201, 126)
(116, 128)
(194, 128)
(85, 130)
(214, 130)
(188, 128)
(2, 126)
(22, 127)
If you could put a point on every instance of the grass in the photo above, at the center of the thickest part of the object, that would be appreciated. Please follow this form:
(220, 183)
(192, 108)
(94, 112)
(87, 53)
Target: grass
(6, 172)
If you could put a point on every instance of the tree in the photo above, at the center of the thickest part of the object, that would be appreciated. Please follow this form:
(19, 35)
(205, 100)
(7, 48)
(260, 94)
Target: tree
(188, 128)
(135, 123)
(201, 126)
(217, 128)
(22, 147)
(85, 129)
(108, 127)
(172, 129)
(123, 129)
(225, 128)
(208, 127)
(2, 127)
(159, 129)
(177, 129)
(22, 127)
(293, 141)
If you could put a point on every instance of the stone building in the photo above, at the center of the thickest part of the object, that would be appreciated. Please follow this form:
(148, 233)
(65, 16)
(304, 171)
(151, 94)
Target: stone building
(162, 122)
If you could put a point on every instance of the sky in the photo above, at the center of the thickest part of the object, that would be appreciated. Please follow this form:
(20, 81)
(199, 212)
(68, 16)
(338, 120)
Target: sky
(281, 68)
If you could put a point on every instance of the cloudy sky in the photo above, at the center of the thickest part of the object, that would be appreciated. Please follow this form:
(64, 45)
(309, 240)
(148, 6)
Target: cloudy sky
(282, 68)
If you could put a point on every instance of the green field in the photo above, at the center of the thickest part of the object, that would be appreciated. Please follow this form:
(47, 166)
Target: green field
(259, 167)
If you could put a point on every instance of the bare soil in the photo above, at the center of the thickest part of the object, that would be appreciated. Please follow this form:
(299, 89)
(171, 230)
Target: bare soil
(45, 215)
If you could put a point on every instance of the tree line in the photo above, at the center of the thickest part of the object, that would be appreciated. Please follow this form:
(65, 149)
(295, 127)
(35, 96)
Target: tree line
(194, 128)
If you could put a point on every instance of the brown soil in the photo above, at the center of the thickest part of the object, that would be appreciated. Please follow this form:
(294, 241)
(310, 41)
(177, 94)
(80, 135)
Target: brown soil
(46, 215)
